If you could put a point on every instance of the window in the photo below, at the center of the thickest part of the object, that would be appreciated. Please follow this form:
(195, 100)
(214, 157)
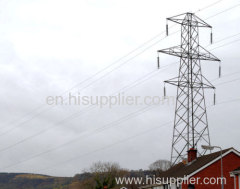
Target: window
(191, 186)
(179, 186)
(165, 186)
(239, 181)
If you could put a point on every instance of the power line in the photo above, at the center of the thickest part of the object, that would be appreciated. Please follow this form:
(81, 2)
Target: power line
(124, 140)
(208, 6)
(108, 146)
(64, 120)
(43, 131)
(115, 62)
(136, 81)
(104, 127)
(13, 128)
(219, 47)
(100, 71)
(95, 131)
(226, 44)
(227, 82)
(225, 10)
(125, 62)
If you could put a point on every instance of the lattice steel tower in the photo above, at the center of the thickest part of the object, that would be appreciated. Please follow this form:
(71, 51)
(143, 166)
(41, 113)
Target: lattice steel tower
(190, 123)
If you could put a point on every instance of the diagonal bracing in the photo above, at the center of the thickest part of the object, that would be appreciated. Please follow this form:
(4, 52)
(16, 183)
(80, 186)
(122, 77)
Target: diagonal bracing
(190, 123)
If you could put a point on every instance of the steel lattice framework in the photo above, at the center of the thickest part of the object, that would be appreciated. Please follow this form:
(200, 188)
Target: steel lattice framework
(190, 123)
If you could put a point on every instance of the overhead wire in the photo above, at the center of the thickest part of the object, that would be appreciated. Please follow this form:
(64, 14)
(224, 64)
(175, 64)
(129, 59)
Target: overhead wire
(57, 124)
(97, 73)
(13, 128)
(121, 141)
(222, 11)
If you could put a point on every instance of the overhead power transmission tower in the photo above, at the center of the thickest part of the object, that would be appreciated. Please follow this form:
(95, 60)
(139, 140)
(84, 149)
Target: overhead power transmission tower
(190, 123)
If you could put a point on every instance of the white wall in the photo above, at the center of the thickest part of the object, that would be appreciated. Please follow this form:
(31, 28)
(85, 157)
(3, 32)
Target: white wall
(239, 181)
(158, 187)
(173, 186)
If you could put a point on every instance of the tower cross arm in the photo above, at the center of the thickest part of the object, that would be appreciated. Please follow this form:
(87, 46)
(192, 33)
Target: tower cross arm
(183, 19)
(178, 51)
(179, 82)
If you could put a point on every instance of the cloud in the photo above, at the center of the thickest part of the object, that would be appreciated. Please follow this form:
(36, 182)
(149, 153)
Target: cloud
(46, 47)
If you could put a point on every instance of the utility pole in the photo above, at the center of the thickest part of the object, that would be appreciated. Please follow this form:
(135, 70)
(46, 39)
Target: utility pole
(190, 123)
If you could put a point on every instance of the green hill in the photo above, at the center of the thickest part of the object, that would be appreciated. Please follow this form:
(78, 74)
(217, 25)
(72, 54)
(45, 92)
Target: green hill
(33, 181)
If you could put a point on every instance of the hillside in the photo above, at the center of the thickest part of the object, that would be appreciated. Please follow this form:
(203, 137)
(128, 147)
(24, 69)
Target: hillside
(32, 181)
(36, 181)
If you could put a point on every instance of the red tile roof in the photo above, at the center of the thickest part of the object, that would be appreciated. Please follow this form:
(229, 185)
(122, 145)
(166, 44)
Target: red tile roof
(181, 169)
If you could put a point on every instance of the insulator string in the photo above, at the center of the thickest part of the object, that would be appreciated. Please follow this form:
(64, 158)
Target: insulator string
(167, 28)
(220, 70)
(164, 91)
(211, 37)
(214, 97)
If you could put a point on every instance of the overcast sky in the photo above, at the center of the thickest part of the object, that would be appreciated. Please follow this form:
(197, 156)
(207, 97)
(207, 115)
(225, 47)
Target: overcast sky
(49, 46)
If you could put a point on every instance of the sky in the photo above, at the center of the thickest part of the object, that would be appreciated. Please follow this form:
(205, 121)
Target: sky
(51, 48)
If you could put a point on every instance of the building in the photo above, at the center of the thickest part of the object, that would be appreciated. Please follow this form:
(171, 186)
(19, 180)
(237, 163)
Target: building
(236, 175)
(201, 172)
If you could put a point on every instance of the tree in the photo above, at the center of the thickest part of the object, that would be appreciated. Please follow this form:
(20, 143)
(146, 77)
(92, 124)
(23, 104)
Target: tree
(159, 166)
(104, 174)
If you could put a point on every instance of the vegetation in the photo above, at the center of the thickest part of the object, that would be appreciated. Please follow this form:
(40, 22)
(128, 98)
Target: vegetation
(159, 166)
(31, 181)
(100, 174)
